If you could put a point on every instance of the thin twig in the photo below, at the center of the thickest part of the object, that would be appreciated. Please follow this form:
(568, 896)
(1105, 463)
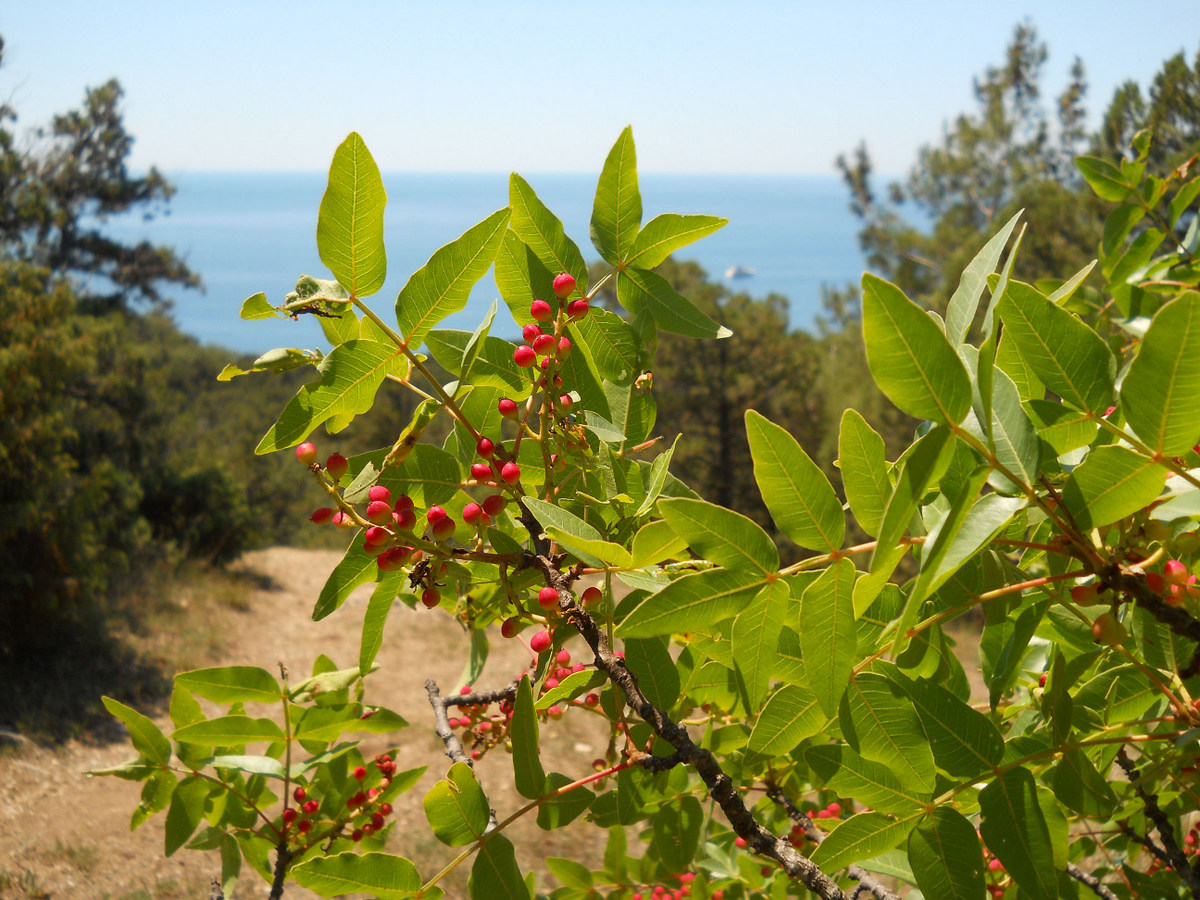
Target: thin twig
(1171, 852)
(1091, 881)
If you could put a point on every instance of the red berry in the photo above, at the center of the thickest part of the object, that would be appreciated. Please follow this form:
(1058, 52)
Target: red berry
(563, 657)
(376, 535)
(289, 816)
(524, 356)
(994, 865)
(541, 311)
(336, 466)
(360, 772)
(545, 345)
(1042, 680)
(507, 407)
(311, 806)
(565, 402)
(563, 285)
(394, 558)
(379, 512)
(379, 492)
(431, 597)
(404, 519)
(323, 516)
(511, 473)
(564, 347)
(481, 471)
(356, 835)
(591, 700)
(511, 627)
(531, 333)
(385, 809)
(299, 794)
(494, 504)
(548, 597)
(1155, 582)
(376, 821)
(577, 309)
(304, 827)
(485, 448)
(555, 711)
(1085, 594)
(739, 842)
(1175, 572)
(835, 808)
(306, 453)
(592, 595)
(434, 514)
(403, 502)
(472, 513)
(443, 529)
(541, 642)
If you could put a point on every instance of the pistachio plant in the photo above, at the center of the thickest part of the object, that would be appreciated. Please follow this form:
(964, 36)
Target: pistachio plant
(774, 729)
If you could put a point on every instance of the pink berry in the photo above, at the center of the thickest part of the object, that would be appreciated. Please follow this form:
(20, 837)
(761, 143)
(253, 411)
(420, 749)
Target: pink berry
(376, 535)
(531, 333)
(564, 347)
(511, 627)
(322, 516)
(835, 808)
(435, 514)
(443, 529)
(431, 597)
(739, 842)
(577, 309)
(1175, 572)
(379, 512)
(995, 865)
(507, 407)
(524, 356)
(485, 448)
(494, 504)
(1042, 680)
(565, 403)
(404, 519)
(394, 558)
(306, 453)
(379, 492)
(511, 473)
(336, 466)
(1154, 581)
(548, 597)
(545, 345)
(555, 711)
(541, 311)
(592, 595)
(403, 502)
(563, 285)
(481, 471)
(540, 642)
(360, 772)
(472, 513)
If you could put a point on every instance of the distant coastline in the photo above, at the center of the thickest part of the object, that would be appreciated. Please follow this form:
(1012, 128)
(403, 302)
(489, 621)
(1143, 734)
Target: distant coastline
(250, 231)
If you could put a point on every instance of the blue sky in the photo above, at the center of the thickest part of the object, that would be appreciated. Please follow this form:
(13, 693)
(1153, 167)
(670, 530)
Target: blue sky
(745, 86)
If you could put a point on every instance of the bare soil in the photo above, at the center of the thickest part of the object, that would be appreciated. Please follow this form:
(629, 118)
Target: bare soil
(64, 835)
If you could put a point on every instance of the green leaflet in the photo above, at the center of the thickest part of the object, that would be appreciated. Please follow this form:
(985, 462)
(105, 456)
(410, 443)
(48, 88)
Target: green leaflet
(442, 285)
(1103, 177)
(543, 234)
(871, 783)
(350, 222)
(864, 470)
(381, 875)
(145, 736)
(650, 660)
(355, 568)
(528, 774)
(727, 538)
(350, 376)
(231, 684)
(229, 731)
(665, 234)
(1160, 396)
(1111, 483)
(614, 344)
(520, 275)
(965, 743)
(691, 603)
(960, 312)
(676, 830)
(755, 638)
(1062, 351)
(797, 493)
(791, 715)
(1015, 831)
(910, 357)
(1010, 435)
(457, 808)
(617, 209)
(862, 836)
(880, 723)
(827, 633)
(643, 291)
(492, 366)
(946, 857)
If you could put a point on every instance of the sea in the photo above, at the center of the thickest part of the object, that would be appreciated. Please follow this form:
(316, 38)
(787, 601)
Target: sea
(250, 232)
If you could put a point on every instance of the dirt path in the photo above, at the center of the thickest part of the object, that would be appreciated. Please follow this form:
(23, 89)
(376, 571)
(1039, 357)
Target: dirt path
(63, 835)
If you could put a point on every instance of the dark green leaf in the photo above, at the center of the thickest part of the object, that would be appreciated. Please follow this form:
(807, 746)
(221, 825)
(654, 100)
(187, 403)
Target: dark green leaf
(945, 855)
(965, 743)
(727, 538)
(495, 874)
(879, 721)
(642, 291)
(861, 836)
(528, 774)
(871, 783)
(355, 568)
(229, 731)
(1015, 831)
(651, 662)
(1104, 178)
(791, 715)
(693, 603)
(676, 829)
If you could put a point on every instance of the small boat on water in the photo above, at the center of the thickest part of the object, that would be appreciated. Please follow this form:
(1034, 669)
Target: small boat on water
(738, 272)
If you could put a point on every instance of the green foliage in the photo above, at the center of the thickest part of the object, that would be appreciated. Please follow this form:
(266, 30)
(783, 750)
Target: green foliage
(1042, 491)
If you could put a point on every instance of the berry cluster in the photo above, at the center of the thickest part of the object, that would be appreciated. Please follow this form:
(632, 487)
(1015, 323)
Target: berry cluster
(363, 811)
(663, 892)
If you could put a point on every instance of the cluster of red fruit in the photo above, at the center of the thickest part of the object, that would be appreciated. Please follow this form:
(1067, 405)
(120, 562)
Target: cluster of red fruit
(553, 344)
(663, 892)
(363, 805)
(547, 598)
